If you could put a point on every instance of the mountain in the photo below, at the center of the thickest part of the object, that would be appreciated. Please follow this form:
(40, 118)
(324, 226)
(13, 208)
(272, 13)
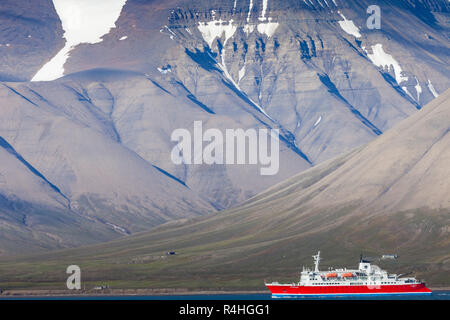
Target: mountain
(105, 144)
(31, 208)
(71, 180)
(90, 103)
(390, 196)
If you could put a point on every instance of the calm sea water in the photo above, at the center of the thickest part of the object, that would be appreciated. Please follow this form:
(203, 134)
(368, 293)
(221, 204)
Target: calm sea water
(437, 295)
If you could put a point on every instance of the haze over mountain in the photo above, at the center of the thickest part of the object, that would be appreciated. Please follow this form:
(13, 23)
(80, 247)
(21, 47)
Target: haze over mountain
(99, 137)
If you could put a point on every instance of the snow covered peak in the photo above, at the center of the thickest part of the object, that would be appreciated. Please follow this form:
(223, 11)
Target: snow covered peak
(84, 21)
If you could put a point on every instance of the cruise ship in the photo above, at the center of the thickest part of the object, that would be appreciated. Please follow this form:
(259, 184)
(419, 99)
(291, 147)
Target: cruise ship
(367, 280)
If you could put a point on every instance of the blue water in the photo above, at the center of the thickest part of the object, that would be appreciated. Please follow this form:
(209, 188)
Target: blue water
(437, 295)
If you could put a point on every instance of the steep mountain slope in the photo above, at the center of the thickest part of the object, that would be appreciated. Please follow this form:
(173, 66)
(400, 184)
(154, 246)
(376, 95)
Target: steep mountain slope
(330, 207)
(34, 214)
(406, 168)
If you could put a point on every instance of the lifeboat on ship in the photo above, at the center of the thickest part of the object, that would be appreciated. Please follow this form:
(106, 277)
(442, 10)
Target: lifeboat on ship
(331, 275)
(347, 275)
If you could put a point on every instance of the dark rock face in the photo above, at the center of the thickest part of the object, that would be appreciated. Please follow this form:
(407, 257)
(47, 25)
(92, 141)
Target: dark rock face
(30, 34)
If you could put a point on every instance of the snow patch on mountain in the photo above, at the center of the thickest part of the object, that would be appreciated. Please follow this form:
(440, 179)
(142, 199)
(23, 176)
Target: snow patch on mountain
(384, 60)
(53, 69)
(250, 7)
(241, 73)
(117, 228)
(215, 29)
(318, 121)
(267, 28)
(248, 28)
(263, 12)
(349, 27)
(165, 69)
(432, 90)
(171, 34)
(405, 89)
(418, 89)
(84, 21)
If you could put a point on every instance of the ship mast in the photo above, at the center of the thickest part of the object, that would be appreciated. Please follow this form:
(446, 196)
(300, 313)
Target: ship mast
(316, 261)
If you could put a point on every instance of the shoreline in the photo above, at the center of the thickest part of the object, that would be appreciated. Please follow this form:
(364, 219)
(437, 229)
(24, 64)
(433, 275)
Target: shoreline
(122, 292)
(134, 292)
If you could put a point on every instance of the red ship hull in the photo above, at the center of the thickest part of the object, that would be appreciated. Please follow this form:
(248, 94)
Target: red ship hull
(293, 290)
